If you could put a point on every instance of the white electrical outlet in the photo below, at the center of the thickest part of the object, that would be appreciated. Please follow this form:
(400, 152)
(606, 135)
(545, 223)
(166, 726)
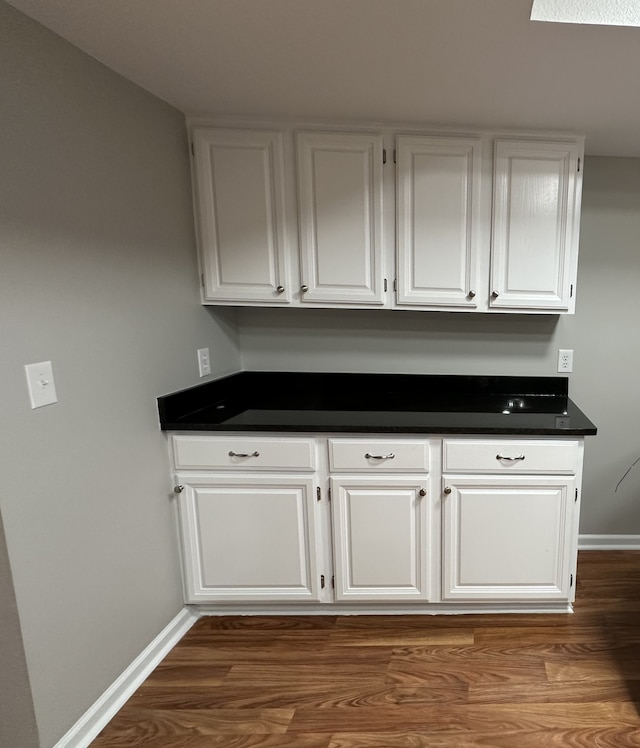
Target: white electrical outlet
(204, 362)
(42, 388)
(565, 361)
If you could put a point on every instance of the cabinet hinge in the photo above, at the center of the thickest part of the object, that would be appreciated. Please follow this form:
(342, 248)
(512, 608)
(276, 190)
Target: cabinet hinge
(395, 285)
(202, 280)
(329, 494)
(571, 581)
(385, 285)
(318, 494)
(395, 153)
(322, 581)
(571, 291)
(333, 583)
(384, 155)
(576, 498)
(193, 150)
(578, 164)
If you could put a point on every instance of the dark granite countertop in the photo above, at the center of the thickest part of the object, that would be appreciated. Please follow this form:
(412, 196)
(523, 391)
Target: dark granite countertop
(377, 404)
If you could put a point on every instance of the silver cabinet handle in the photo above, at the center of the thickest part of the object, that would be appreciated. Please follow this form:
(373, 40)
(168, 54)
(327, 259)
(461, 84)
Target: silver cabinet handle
(390, 456)
(422, 492)
(447, 490)
(304, 289)
(280, 289)
(494, 295)
(471, 294)
(509, 459)
(244, 454)
(178, 489)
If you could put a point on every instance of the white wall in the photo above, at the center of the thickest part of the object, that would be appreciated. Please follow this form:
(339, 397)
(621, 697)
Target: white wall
(98, 275)
(604, 333)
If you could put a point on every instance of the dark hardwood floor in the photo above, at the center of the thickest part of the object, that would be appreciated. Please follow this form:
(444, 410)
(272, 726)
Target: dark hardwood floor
(506, 681)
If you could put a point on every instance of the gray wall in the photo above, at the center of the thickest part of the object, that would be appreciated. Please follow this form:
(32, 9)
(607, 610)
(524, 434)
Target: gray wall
(605, 334)
(98, 275)
(17, 720)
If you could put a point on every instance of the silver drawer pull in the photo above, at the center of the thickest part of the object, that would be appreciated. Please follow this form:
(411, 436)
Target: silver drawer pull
(509, 459)
(244, 454)
(390, 456)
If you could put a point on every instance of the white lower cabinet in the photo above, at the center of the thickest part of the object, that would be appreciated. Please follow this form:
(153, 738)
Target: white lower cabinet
(431, 525)
(507, 538)
(249, 538)
(381, 538)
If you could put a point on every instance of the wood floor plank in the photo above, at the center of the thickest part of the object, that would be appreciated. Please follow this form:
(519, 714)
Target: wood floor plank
(401, 637)
(300, 696)
(298, 740)
(175, 676)
(141, 724)
(425, 670)
(604, 737)
(223, 657)
(594, 670)
(280, 675)
(466, 718)
(534, 634)
(544, 692)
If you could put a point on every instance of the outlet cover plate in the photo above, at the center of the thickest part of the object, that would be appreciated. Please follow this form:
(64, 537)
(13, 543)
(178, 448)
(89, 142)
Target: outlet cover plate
(204, 362)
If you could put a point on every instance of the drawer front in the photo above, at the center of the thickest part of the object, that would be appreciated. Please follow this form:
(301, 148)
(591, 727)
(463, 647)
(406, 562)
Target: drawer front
(240, 453)
(510, 456)
(390, 456)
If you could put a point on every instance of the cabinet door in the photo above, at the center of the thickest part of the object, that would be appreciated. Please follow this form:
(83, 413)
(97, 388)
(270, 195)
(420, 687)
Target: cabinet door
(536, 206)
(340, 214)
(507, 538)
(249, 538)
(438, 226)
(239, 184)
(381, 538)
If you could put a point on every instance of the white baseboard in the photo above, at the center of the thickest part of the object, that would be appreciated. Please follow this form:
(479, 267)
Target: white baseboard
(609, 543)
(102, 711)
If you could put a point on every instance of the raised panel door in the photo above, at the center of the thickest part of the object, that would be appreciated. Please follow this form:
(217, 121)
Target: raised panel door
(438, 221)
(239, 184)
(507, 538)
(536, 204)
(381, 542)
(249, 538)
(340, 218)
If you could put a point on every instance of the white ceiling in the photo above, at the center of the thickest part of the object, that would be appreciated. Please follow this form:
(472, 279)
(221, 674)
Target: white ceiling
(479, 63)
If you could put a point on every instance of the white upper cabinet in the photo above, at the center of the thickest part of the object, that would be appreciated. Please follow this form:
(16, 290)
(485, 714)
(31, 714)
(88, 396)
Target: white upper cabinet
(340, 218)
(239, 181)
(438, 214)
(536, 201)
(484, 222)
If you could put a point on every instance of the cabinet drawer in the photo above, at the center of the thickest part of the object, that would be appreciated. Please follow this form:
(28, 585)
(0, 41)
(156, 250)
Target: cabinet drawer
(364, 455)
(243, 453)
(509, 456)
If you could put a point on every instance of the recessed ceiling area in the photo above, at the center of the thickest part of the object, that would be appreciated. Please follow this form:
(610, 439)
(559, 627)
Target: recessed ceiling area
(599, 12)
(464, 63)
